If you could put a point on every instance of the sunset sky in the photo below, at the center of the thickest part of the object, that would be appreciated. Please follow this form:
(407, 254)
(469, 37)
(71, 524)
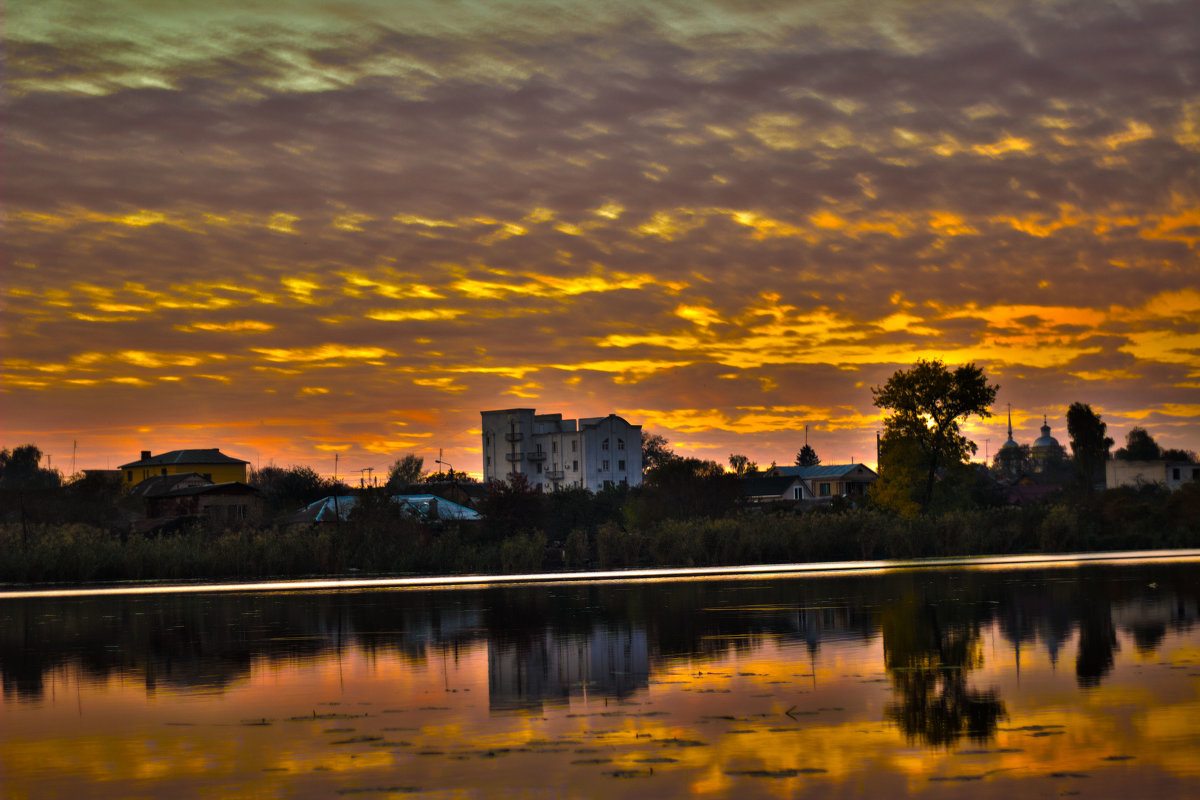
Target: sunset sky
(293, 229)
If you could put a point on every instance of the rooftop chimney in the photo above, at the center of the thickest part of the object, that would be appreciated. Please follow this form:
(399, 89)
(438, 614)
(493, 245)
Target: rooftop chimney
(145, 455)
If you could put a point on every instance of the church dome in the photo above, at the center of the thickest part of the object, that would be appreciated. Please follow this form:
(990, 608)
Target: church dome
(1045, 441)
(1046, 450)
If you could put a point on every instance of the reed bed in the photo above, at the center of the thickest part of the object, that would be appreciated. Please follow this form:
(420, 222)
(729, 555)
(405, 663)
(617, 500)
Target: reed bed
(80, 553)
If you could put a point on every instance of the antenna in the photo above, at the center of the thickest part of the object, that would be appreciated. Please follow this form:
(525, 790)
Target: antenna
(74, 446)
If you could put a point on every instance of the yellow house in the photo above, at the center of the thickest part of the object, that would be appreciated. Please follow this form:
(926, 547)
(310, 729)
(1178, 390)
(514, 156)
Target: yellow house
(211, 464)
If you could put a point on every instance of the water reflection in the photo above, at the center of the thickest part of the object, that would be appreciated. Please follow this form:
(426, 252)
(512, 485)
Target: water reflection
(922, 676)
(547, 644)
(930, 648)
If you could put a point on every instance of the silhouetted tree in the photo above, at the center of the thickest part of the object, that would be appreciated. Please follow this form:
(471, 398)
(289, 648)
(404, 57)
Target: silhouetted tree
(405, 472)
(91, 497)
(1007, 462)
(926, 404)
(512, 507)
(21, 470)
(448, 475)
(656, 451)
(742, 465)
(1089, 444)
(807, 457)
(289, 489)
(688, 487)
(1139, 446)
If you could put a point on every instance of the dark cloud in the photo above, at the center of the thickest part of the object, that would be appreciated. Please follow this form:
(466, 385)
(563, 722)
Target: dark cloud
(532, 199)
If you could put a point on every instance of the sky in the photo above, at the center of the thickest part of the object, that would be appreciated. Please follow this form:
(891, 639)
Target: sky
(294, 230)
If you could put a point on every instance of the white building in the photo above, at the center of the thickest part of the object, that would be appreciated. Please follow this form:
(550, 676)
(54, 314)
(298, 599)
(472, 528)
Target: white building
(557, 453)
(1172, 474)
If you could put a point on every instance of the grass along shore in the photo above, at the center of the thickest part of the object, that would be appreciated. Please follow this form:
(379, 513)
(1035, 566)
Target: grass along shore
(1114, 520)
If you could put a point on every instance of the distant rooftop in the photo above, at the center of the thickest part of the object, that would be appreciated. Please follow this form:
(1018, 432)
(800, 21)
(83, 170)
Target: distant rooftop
(208, 456)
(821, 470)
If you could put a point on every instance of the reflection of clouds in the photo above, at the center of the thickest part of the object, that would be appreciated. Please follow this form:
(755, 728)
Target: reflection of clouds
(1004, 183)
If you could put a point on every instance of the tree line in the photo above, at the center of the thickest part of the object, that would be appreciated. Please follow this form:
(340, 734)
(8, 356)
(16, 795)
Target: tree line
(929, 500)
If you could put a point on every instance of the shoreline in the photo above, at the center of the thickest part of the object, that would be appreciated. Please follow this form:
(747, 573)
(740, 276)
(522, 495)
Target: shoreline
(787, 570)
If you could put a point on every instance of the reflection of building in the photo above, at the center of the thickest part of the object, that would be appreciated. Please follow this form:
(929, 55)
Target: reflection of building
(1172, 474)
(552, 667)
(212, 464)
(552, 452)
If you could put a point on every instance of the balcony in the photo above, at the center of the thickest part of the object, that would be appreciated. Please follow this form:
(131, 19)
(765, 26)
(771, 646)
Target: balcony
(536, 455)
(514, 456)
(555, 474)
(513, 436)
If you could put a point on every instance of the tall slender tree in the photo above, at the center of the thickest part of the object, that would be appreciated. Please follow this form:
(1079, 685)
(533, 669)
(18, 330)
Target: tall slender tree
(1089, 444)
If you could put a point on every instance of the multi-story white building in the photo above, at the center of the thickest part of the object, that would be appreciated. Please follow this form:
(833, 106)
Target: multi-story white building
(556, 453)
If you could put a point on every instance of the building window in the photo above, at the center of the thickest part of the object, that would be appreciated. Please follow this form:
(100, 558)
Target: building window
(796, 493)
(489, 461)
(539, 468)
(826, 490)
(573, 443)
(620, 444)
(1175, 473)
(604, 465)
(575, 466)
(604, 445)
(621, 466)
(554, 446)
(129, 474)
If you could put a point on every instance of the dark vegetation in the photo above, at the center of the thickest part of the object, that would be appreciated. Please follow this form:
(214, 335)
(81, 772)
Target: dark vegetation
(928, 502)
(687, 514)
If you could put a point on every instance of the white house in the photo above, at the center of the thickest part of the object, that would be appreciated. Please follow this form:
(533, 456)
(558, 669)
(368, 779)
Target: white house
(1171, 474)
(556, 453)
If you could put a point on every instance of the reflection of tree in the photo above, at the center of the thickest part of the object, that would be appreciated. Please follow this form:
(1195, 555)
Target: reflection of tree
(1097, 636)
(929, 652)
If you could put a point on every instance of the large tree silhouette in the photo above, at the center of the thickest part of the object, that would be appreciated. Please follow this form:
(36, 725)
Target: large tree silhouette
(926, 405)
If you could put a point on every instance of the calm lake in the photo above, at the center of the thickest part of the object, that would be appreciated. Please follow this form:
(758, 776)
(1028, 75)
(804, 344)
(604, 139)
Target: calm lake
(1007, 681)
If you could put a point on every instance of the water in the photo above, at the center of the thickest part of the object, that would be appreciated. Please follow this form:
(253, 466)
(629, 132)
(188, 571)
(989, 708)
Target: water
(999, 682)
